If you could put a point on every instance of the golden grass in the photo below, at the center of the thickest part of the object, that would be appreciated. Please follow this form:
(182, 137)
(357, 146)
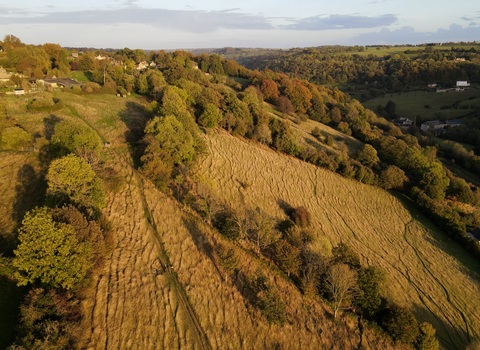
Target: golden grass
(304, 130)
(422, 264)
(128, 306)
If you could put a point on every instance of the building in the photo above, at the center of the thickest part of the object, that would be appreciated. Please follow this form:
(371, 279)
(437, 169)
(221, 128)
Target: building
(462, 83)
(18, 92)
(403, 122)
(433, 85)
(437, 127)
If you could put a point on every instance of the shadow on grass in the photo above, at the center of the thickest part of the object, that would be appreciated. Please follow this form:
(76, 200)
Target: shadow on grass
(29, 193)
(449, 336)
(135, 118)
(11, 297)
(440, 239)
(203, 244)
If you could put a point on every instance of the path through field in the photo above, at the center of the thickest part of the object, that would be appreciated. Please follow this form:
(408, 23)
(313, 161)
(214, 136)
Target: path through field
(133, 306)
(421, 273)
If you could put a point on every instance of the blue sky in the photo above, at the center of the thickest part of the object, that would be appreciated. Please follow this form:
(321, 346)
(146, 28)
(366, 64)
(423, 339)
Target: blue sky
(160, 24)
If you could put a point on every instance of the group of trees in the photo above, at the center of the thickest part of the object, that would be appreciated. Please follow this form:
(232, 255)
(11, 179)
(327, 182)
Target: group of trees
(334, 273)
(60, 242)
(34, 61)
(390, 73)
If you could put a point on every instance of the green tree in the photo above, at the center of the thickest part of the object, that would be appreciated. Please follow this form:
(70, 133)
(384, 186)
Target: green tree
(434, 181)
(427, 339)
(14, 137)
(69, 137)
(49, 253)
(367, 155)
(172, 138)
(272, 305)
(71, 179)
(211, 116)
(400, 323)
(370, 282)
(227, 259)
(86, 62)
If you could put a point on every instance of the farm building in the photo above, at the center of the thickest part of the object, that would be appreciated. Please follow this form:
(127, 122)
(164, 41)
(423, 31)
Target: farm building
(462, 83)
(18, 92)
(62, 82)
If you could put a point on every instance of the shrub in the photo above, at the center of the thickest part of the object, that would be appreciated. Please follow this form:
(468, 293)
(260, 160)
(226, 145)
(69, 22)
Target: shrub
(301, 217)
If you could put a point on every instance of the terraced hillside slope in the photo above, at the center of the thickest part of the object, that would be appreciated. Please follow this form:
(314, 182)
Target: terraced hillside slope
(421, 263)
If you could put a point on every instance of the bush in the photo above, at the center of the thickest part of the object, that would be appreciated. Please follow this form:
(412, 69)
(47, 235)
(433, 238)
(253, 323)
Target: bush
(45, 105)
(316, 132)
(301, 217)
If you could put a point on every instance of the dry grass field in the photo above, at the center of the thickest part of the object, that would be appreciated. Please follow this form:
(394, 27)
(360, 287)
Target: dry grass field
(128, 305)
(426, 271)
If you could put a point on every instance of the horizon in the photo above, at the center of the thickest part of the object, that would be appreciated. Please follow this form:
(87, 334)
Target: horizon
(154, 25)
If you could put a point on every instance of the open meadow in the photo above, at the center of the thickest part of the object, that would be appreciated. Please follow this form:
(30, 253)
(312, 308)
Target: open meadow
(425, 269)
(412, 104)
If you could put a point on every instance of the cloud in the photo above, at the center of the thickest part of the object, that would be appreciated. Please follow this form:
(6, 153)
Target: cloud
(341, 22)
(472, 24)
(184, 20)
(408, 35)
(466, 18)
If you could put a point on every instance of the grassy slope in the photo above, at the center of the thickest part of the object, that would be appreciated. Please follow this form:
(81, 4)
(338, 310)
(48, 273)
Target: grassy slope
(127, 306)
(411, 104)
(422, 264)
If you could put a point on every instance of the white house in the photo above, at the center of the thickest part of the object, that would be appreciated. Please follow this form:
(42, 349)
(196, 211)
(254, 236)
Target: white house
(462, 83)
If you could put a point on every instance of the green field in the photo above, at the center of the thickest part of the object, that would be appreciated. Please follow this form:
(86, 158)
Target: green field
(81, 76)
(413, 104)
(401, 49)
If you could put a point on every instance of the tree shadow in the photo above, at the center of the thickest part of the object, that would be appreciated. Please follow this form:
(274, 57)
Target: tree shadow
(449, 335)
(49, 125)
(29, 193)
(287, 208)
(135, 118)
(202, 243)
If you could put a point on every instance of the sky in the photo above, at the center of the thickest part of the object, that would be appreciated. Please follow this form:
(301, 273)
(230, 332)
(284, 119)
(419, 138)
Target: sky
(183, 24)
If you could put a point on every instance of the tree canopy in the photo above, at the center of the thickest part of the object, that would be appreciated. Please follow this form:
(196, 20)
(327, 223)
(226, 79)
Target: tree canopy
(49, 253)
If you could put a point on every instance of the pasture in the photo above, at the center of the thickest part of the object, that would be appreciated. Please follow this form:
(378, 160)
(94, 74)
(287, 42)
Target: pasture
(426, 270)
(414, 103)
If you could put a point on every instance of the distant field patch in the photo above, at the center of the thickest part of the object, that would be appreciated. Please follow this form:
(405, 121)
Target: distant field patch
(81, 76)
(428, 104)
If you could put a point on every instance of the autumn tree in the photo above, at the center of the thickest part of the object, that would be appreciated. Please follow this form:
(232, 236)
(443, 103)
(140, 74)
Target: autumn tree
(392, 177)
(262, 230)
(427, 339)
(269, 90)
(300, 96)
(341, 284)
(49, 253)
(285, 105)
